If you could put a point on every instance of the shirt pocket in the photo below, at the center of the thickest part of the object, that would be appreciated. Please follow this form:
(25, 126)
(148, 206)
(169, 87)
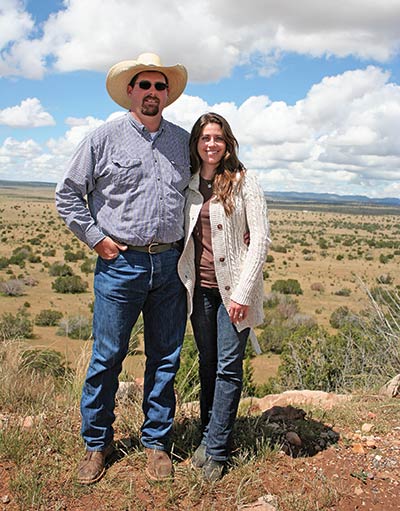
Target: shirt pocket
(125, 169)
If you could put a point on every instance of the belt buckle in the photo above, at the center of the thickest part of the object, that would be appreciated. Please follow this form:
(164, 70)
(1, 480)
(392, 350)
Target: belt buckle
(151, 248)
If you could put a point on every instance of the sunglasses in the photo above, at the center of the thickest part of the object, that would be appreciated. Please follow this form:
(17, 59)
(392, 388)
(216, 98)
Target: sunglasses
(145, 85)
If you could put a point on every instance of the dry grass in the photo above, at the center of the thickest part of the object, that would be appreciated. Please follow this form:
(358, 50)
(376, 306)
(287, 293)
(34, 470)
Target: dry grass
(29, 212)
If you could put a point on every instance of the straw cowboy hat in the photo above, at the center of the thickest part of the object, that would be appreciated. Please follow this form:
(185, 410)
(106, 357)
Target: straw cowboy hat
(121, 74)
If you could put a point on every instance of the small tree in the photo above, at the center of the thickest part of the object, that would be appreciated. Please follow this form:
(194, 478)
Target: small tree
(287, 287)
(48, 317)
(60, 270)
(70, 284)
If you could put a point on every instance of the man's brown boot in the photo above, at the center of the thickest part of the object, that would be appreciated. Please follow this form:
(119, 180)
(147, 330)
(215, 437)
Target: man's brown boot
(92, 468)
(159, 465)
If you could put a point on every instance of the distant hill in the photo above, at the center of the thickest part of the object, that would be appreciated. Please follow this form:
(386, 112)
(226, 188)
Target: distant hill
(328, 198)
(29, 184)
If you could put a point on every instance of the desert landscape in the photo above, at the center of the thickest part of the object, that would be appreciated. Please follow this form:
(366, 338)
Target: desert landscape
(339, 452)
(334, 252)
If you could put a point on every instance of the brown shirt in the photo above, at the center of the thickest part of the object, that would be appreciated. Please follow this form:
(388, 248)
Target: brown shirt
(204, 258)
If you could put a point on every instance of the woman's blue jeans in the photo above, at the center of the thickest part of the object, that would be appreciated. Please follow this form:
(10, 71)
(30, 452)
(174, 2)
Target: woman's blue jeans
(221, 352)
(124, 287)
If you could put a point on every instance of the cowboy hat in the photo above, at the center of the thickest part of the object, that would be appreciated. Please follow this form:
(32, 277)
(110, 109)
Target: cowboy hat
(121, 74)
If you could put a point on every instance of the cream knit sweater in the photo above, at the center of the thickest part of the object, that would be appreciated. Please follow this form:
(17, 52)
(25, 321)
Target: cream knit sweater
(238, 267)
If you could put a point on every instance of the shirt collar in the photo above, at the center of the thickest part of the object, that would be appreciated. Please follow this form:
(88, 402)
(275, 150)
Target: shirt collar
(141, 128)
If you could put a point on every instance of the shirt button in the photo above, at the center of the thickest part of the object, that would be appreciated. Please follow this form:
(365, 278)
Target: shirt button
(222, 259)
(219, 227)
(227, 288)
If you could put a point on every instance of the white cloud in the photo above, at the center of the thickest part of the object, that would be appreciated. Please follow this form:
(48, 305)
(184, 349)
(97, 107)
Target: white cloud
(342, 137)
(209, 37)
(29, 114)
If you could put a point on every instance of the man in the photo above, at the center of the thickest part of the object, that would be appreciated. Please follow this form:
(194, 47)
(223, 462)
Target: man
(131, 173)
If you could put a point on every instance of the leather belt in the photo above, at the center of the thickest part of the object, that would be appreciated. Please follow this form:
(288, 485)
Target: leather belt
(156, 248)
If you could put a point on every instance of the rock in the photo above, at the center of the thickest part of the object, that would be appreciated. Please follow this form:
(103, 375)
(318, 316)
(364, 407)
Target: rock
(5, 499)
(366, 428)
(358, 449)
(264, 503)
(128, 390)
(28, 422)
(325, 400)
(277, 413)
(293, 438)
(392, 388)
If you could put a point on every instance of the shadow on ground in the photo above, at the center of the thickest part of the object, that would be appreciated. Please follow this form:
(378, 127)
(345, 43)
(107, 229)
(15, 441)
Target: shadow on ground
(284, 428)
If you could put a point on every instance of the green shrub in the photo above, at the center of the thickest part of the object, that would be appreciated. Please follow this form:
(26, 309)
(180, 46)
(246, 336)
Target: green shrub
(4, 262)
(48, 317)
(70, 284)
(287, 287)
(341, 317)
(51, 252)
(74, 256)
(17, 326)
(364, 353)
(60, 270)
(45, 361)
(343, 292)
(88, 265)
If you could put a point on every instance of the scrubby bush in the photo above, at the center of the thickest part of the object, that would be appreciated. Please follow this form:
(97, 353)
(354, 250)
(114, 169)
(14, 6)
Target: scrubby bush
(342, 316)
(88, 265)
(279, 248)
(75, 327)
(48, 317)
(4, 262)
(20, 254)
(343, 292)
(60, 270)
(17, 326)
(385, 278)
(287, 287)
(13, 287)
(45, 361)
(50, 252)
(74, 256)
(282, 317)
(70, 284)
(318, 287)
(353, 359)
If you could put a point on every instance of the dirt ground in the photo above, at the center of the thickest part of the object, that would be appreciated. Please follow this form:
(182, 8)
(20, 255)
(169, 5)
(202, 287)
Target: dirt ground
(359, 472)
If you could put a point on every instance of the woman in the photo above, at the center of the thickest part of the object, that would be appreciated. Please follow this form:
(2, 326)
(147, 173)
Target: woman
(223, 278)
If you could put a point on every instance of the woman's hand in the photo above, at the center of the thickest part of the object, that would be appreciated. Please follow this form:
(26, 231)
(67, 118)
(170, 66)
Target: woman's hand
(237, 312)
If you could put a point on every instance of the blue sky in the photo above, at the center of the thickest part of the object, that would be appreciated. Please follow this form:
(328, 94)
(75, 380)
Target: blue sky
(311, 89)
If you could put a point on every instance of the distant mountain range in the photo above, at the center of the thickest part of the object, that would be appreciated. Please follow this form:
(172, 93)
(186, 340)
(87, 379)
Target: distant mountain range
(328, 198)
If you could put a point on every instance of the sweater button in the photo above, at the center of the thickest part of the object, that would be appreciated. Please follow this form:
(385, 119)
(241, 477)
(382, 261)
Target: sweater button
(227, 288)
(219, 227)
(222, 259)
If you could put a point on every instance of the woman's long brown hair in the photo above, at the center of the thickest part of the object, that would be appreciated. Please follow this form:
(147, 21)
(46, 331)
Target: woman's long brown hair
(230, 171)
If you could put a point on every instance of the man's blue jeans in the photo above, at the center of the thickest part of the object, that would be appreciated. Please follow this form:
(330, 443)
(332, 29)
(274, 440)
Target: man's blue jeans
(134, 282)
(221, 352)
